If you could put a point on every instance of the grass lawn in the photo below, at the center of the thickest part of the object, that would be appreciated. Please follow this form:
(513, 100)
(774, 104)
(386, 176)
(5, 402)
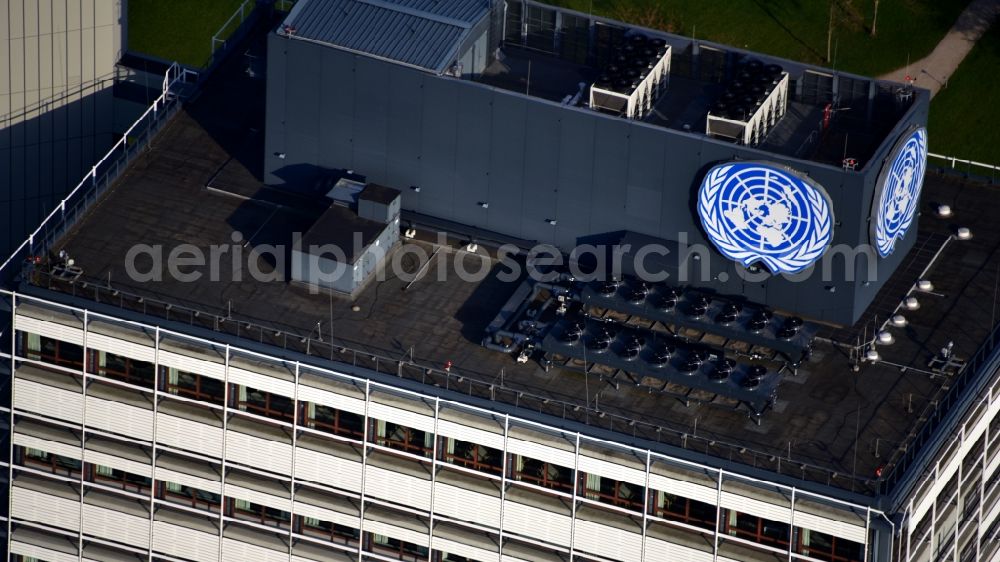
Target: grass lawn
(177, 30)
(797, 29)
(965, 116)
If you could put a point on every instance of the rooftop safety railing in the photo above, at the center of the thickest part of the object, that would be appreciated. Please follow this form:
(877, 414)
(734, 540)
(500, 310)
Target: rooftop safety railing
(972, 168)
(104, 172)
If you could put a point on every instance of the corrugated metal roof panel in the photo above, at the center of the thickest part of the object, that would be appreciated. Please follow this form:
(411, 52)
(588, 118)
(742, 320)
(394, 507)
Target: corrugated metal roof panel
(422, 33)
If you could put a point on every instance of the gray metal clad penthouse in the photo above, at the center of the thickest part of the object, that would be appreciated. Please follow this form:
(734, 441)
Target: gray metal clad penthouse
(245, 419)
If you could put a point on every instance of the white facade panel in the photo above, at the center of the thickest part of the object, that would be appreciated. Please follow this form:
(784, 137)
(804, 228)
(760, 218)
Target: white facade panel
(58, 403)
(537, 523)
(234, 550)
(189, 435)
(258, 497)
(266, 383)
(829, 526)
(753, 506)
(467, 505)
(192, 365)
(989, 515)
(115, 525)
(449, 428)
(608, 541)
(657, 549)
(461, 549)
(397, 487)
(331, 399)
(191, 481)
(32, 505)
(257, 452)
(683, 488)
(54, 447)
(49, 329)
(400, 416)
(175, 540)
(34, 551)
(118, 417)
(119, 346)
(612, 470)
(397, 532)
(991, 467)
(114, 461)
(323, 514)
(540, 452)
(327, 469)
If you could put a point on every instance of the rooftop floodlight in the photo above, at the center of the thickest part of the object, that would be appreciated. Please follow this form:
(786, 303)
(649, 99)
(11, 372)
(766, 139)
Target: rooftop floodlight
(944, 211)
(925, 285)
(872, 355)
(885, 337)
(899, 321)
(551, 222)
(484, 204)
(911, 303)
(963, 233)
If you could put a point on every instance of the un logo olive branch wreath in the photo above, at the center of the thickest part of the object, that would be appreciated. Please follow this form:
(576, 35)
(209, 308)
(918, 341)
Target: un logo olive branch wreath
(912, 156)
(803, 253)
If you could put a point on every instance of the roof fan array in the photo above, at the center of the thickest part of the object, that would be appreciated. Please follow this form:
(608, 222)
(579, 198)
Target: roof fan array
(630, 63)
(751, 84)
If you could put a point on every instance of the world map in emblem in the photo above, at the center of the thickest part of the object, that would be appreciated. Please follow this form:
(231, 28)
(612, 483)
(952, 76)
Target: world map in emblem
(898, 194)
(757, 212)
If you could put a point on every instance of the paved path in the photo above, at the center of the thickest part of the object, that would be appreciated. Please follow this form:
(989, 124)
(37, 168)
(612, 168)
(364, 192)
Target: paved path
(932, 72)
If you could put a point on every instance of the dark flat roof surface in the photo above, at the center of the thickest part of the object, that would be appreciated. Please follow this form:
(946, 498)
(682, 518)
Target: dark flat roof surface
(827, 418)
(344, 229)
(379, 193)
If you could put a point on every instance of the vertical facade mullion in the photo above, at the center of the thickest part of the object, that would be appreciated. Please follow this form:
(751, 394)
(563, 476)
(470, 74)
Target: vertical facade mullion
(434, 470)
(791, 525)
(645, 505)
(576, 489)
(295, 434)
(10, 465)
(364, 471)
(718, 518)
(153, 481)
(83, 424)
(225, 436)
(503, 480)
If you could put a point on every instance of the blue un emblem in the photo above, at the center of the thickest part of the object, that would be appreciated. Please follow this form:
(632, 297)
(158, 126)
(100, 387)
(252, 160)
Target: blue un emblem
(899, 191)
(754, 212)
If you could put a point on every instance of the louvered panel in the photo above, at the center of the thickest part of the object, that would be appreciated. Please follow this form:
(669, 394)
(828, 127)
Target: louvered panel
(118, 417)
(657, 550)
(234, 550)
(193, 365)
(115, 525)
(323, 514)
(753, 506)
(542, 452)
(398, 487)
(608, 541)
(258, 497)
(54, 447)
(396, 532)
(185, 479)
(189, 435)
(114, 461)
(258, 381)
(32, 505)
(327, 469)
(537, 523)
(182, 542)
(332, 399)
(121, 347)
(467, 505)
(612, 470)
(991, 466)
(989, 516)
(461, 549)
(58, 403)
(49, 329)
(258, 452)
(830, 526)
(449, 428)
(29, 550)
(401, 416)
(683, 488)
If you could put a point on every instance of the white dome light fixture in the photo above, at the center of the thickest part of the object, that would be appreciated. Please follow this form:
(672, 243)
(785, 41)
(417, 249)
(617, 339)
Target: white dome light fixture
(925, 285)
(963, 233)
(872, 355)
(944, 211)
(898, 321)
(911, 303)
(885, 338)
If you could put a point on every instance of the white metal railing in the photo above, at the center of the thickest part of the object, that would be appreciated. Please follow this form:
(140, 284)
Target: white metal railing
(242, 12)
(953, 163)
(175, 75)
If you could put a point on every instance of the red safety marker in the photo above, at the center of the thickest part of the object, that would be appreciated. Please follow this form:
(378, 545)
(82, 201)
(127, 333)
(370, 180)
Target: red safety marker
(447, 366)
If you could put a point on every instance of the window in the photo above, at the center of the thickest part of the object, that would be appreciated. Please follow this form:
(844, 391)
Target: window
(541, 28)
(194, 386)
(118, 478)
(332, 420)
(613, 492)
(265, 404)
(333, 532)
(828, 547)
(41, 348)
(396, 548)
(684, 510)
(404, 438)
(198, 499)
(756, 529)
(543, 473)
(474, 456)
(264, 515)
(49, 462)
(125, 369)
